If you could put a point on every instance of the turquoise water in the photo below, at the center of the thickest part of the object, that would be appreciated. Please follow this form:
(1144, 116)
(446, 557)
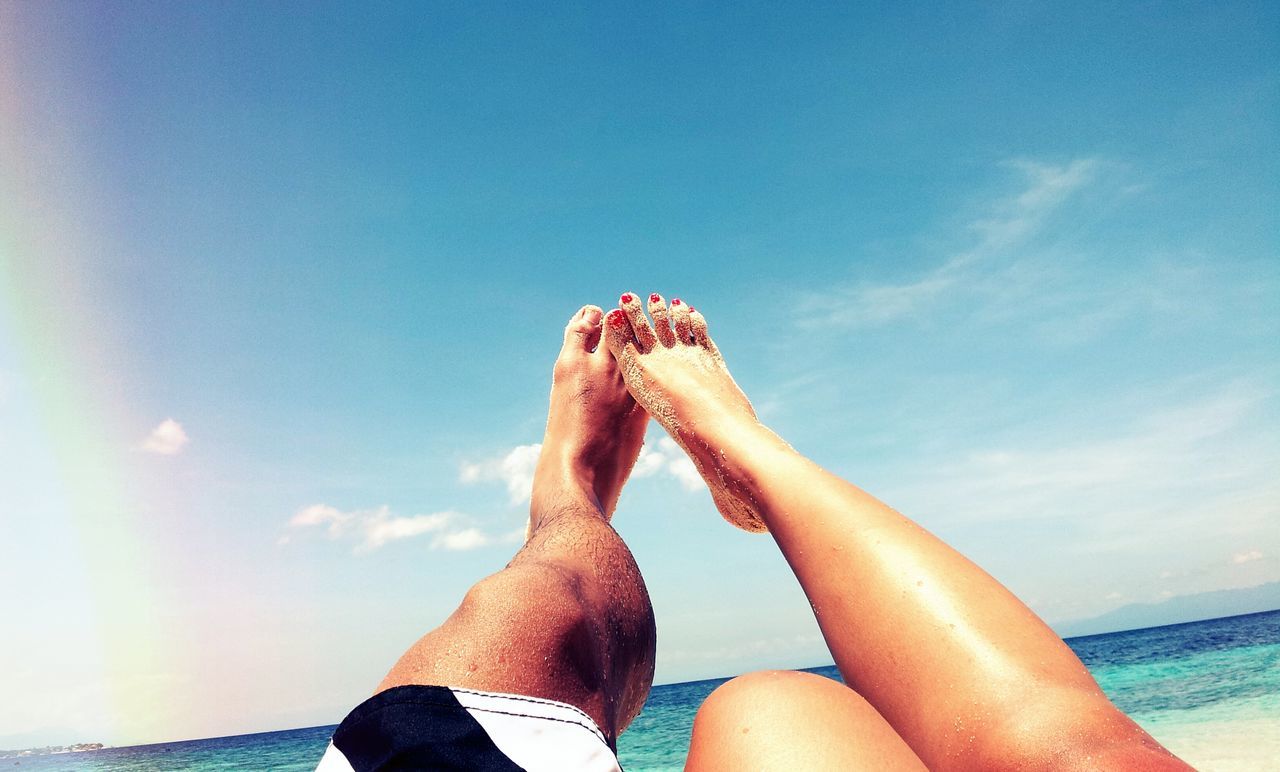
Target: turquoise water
(1210, 691)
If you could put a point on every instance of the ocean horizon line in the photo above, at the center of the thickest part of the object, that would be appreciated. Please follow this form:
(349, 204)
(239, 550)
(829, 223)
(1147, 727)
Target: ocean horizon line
(690, 682)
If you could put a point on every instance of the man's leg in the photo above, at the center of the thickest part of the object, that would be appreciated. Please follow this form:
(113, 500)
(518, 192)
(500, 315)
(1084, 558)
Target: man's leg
(569, 618)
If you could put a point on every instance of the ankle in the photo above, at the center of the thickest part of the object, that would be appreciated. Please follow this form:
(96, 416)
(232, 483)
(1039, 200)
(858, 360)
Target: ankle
(741, 454)
(560, 495)
(561, 470)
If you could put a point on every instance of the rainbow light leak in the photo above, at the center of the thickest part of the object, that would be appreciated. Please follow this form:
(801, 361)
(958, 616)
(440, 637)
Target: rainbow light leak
(58, 326)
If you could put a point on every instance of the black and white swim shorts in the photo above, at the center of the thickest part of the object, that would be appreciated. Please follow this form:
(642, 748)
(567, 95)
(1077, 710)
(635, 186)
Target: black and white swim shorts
(438, 727)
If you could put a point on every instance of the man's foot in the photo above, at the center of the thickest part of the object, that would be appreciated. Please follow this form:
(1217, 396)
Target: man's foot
(674, 370)
(594, 427)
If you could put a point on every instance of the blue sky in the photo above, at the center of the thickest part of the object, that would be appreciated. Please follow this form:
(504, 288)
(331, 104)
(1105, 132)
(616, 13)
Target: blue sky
(1013, 269)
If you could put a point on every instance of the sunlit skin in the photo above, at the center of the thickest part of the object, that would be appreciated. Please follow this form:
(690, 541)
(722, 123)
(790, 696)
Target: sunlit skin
(947, 669)
(945, 665)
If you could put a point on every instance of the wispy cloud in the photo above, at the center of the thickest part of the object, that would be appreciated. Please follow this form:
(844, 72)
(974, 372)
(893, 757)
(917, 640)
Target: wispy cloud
(1014, 219)
(466, 539)
(1170, 464)
(1006, 224)
(167, 439)
(371, 529)
(1070, 257)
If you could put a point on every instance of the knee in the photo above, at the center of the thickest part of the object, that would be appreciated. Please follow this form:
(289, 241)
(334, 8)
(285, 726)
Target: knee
(765, 694)
(543, 597)
(749, 723)
(790, 720)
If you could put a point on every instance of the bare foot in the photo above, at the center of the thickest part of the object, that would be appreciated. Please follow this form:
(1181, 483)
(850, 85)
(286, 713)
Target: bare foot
(675, 371)
(594, 427)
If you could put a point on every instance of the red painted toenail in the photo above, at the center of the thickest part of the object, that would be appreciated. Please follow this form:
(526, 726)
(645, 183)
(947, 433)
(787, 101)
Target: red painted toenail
(626, 298)
(675, 301)
(616, 319)
(693, 310)
(655, 298)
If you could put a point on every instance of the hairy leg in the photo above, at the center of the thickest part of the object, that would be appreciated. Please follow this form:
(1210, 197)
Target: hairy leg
(569, 618)
(783, 720)
(961, 669)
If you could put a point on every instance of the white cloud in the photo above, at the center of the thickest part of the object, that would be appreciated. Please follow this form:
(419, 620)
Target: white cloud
(321, 514)
(458, 541)
(1246, 557)
(384, 528)
(167, 439)
(514, 469)
(649, 463)
(666, 457)
(375, 528)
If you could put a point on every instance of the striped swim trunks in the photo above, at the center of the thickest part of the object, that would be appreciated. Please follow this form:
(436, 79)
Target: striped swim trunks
(438, 727)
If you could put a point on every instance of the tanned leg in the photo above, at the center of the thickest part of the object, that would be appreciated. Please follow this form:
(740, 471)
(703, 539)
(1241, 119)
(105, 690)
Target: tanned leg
(569, 618)
(784, 720)
(958, 666)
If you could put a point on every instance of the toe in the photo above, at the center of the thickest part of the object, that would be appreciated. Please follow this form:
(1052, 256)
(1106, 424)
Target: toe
(618, 335)
(698, 327)
(645, 337)
(582, 334)
(661, 320)
(680, 320)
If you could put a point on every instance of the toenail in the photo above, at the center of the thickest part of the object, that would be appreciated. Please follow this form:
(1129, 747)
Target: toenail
(616, 319)
(626, 297)
(655, 298)
(675, 301)
(693, 310)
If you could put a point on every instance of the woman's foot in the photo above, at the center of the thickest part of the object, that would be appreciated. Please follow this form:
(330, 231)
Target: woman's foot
(674, 370)
(594, 427)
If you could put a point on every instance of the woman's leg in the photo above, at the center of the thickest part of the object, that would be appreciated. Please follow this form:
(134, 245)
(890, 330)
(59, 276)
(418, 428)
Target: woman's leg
(569, 618)
(960, 668)
(783, 720)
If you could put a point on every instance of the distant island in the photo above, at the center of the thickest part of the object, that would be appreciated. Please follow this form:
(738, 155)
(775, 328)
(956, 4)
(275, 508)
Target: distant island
(49, 750)
(1178, 609)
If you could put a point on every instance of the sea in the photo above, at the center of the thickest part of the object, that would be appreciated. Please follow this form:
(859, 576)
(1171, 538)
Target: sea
(1209, 691)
